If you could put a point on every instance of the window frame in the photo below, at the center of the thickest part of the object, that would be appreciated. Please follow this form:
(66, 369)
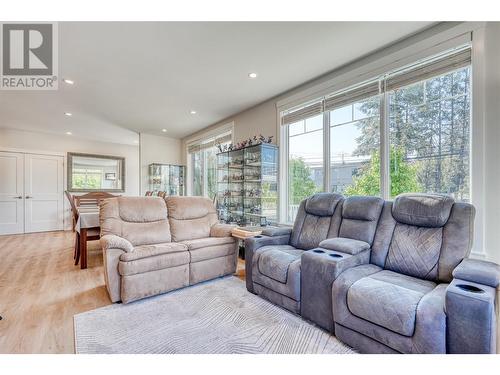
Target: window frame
(385, 182)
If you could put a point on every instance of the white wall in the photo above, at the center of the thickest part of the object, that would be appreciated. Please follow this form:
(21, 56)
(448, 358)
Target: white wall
(41, 142)
(492, 140)
(157, 149)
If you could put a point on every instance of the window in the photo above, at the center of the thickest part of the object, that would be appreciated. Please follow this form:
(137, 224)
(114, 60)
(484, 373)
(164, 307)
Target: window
(203, 162)
(305, 165)
(354, 142)
(423, 114)
(429, 125)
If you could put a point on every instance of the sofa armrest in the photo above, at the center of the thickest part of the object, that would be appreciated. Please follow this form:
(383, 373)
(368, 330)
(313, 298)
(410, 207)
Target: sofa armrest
(276, 231)
(478, 271)
(470, 318)
(345, 245)
(254, 243)
(320, 267)
(111, 241)
(221, 230)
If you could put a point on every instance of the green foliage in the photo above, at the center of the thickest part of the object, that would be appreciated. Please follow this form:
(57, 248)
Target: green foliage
(301, 183)
(403, 176)
(86, 181)
(429, 123)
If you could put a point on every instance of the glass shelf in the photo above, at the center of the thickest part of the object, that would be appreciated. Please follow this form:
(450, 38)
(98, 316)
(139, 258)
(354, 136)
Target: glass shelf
(258, 166)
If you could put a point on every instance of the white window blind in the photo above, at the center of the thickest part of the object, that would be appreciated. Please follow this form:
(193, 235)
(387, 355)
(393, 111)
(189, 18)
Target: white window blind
(426, 70)
(302, 113)
(351, 96)
(202, 145)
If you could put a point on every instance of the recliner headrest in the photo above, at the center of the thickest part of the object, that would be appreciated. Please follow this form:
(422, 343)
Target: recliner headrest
(424, 210)
(322, 204)
(362, 208)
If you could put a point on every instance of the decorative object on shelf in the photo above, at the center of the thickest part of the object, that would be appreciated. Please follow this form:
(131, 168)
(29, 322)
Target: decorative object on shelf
(252, 141)
(167, 178)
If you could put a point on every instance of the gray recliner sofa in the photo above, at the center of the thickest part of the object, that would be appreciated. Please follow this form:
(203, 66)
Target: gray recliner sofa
(153, 245)
(394, 277)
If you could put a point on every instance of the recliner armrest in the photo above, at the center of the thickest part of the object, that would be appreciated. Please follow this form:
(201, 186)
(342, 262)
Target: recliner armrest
(111, 241)
(276, 231)
(478, 271)
(222, 230)
(345, 245)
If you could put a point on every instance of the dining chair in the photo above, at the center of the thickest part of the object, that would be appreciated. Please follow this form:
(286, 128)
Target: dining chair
(93, 198)
(149, 193)
(162, 194)
(74, 214)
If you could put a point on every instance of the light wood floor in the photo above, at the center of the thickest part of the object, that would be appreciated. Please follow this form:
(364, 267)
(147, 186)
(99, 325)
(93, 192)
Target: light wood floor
(41, 290)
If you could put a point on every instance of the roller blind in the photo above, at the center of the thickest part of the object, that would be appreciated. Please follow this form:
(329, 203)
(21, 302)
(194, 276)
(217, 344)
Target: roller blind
(424, 71)
(302, 113)
(351, 96)
(209, 143)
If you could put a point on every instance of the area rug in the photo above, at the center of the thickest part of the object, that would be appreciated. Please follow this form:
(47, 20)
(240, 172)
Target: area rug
(218, 316)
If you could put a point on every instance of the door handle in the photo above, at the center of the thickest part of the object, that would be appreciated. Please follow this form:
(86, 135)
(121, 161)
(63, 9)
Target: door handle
(28, 197)
(19, 197)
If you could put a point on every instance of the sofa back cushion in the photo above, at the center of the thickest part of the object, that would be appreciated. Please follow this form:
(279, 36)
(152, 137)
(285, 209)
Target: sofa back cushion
(431, 236)
(360, 216)
(423, 210)
(190, 217)
(314, 217)
(140, 220)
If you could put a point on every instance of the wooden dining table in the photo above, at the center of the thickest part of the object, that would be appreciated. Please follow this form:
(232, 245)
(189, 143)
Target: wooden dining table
(88, 218)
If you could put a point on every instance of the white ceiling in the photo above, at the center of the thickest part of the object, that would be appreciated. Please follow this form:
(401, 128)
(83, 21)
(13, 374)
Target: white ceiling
(145, 76)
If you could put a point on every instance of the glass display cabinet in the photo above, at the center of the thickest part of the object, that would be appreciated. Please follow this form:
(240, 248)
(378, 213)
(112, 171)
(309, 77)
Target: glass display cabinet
(247, 185)
(168, 178)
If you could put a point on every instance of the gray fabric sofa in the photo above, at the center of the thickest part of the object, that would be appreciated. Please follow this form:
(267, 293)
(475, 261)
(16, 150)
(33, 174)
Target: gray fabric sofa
(386, 277)
(153, 245)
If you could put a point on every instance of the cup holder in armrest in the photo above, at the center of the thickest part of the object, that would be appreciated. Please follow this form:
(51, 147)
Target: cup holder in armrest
(336, 256)
(470, 288)
(318, 251)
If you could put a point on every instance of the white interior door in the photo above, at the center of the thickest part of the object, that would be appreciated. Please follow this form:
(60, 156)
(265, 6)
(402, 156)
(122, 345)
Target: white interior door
(11, 193)
(43, 193)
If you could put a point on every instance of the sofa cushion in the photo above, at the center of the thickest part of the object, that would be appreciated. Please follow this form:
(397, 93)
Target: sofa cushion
(344, 245)
(146, 251)
(212, 252)
(415, 251)
(362, 208)
(388, 299)
(275, 263)
(154, 263)
(142, 209)
(208, 241)
(425, 210)
(190, 217)
(141, 220)
(322, 204)
(360, 216)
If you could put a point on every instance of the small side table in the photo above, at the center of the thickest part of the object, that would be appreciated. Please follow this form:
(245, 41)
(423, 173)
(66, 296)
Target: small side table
(242, 233)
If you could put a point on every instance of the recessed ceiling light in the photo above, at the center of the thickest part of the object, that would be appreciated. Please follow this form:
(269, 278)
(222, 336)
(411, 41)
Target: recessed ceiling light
(69, 114)
(252, 75)
(193, 112)
(69, 81)
(164, 130)
(68, 133)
